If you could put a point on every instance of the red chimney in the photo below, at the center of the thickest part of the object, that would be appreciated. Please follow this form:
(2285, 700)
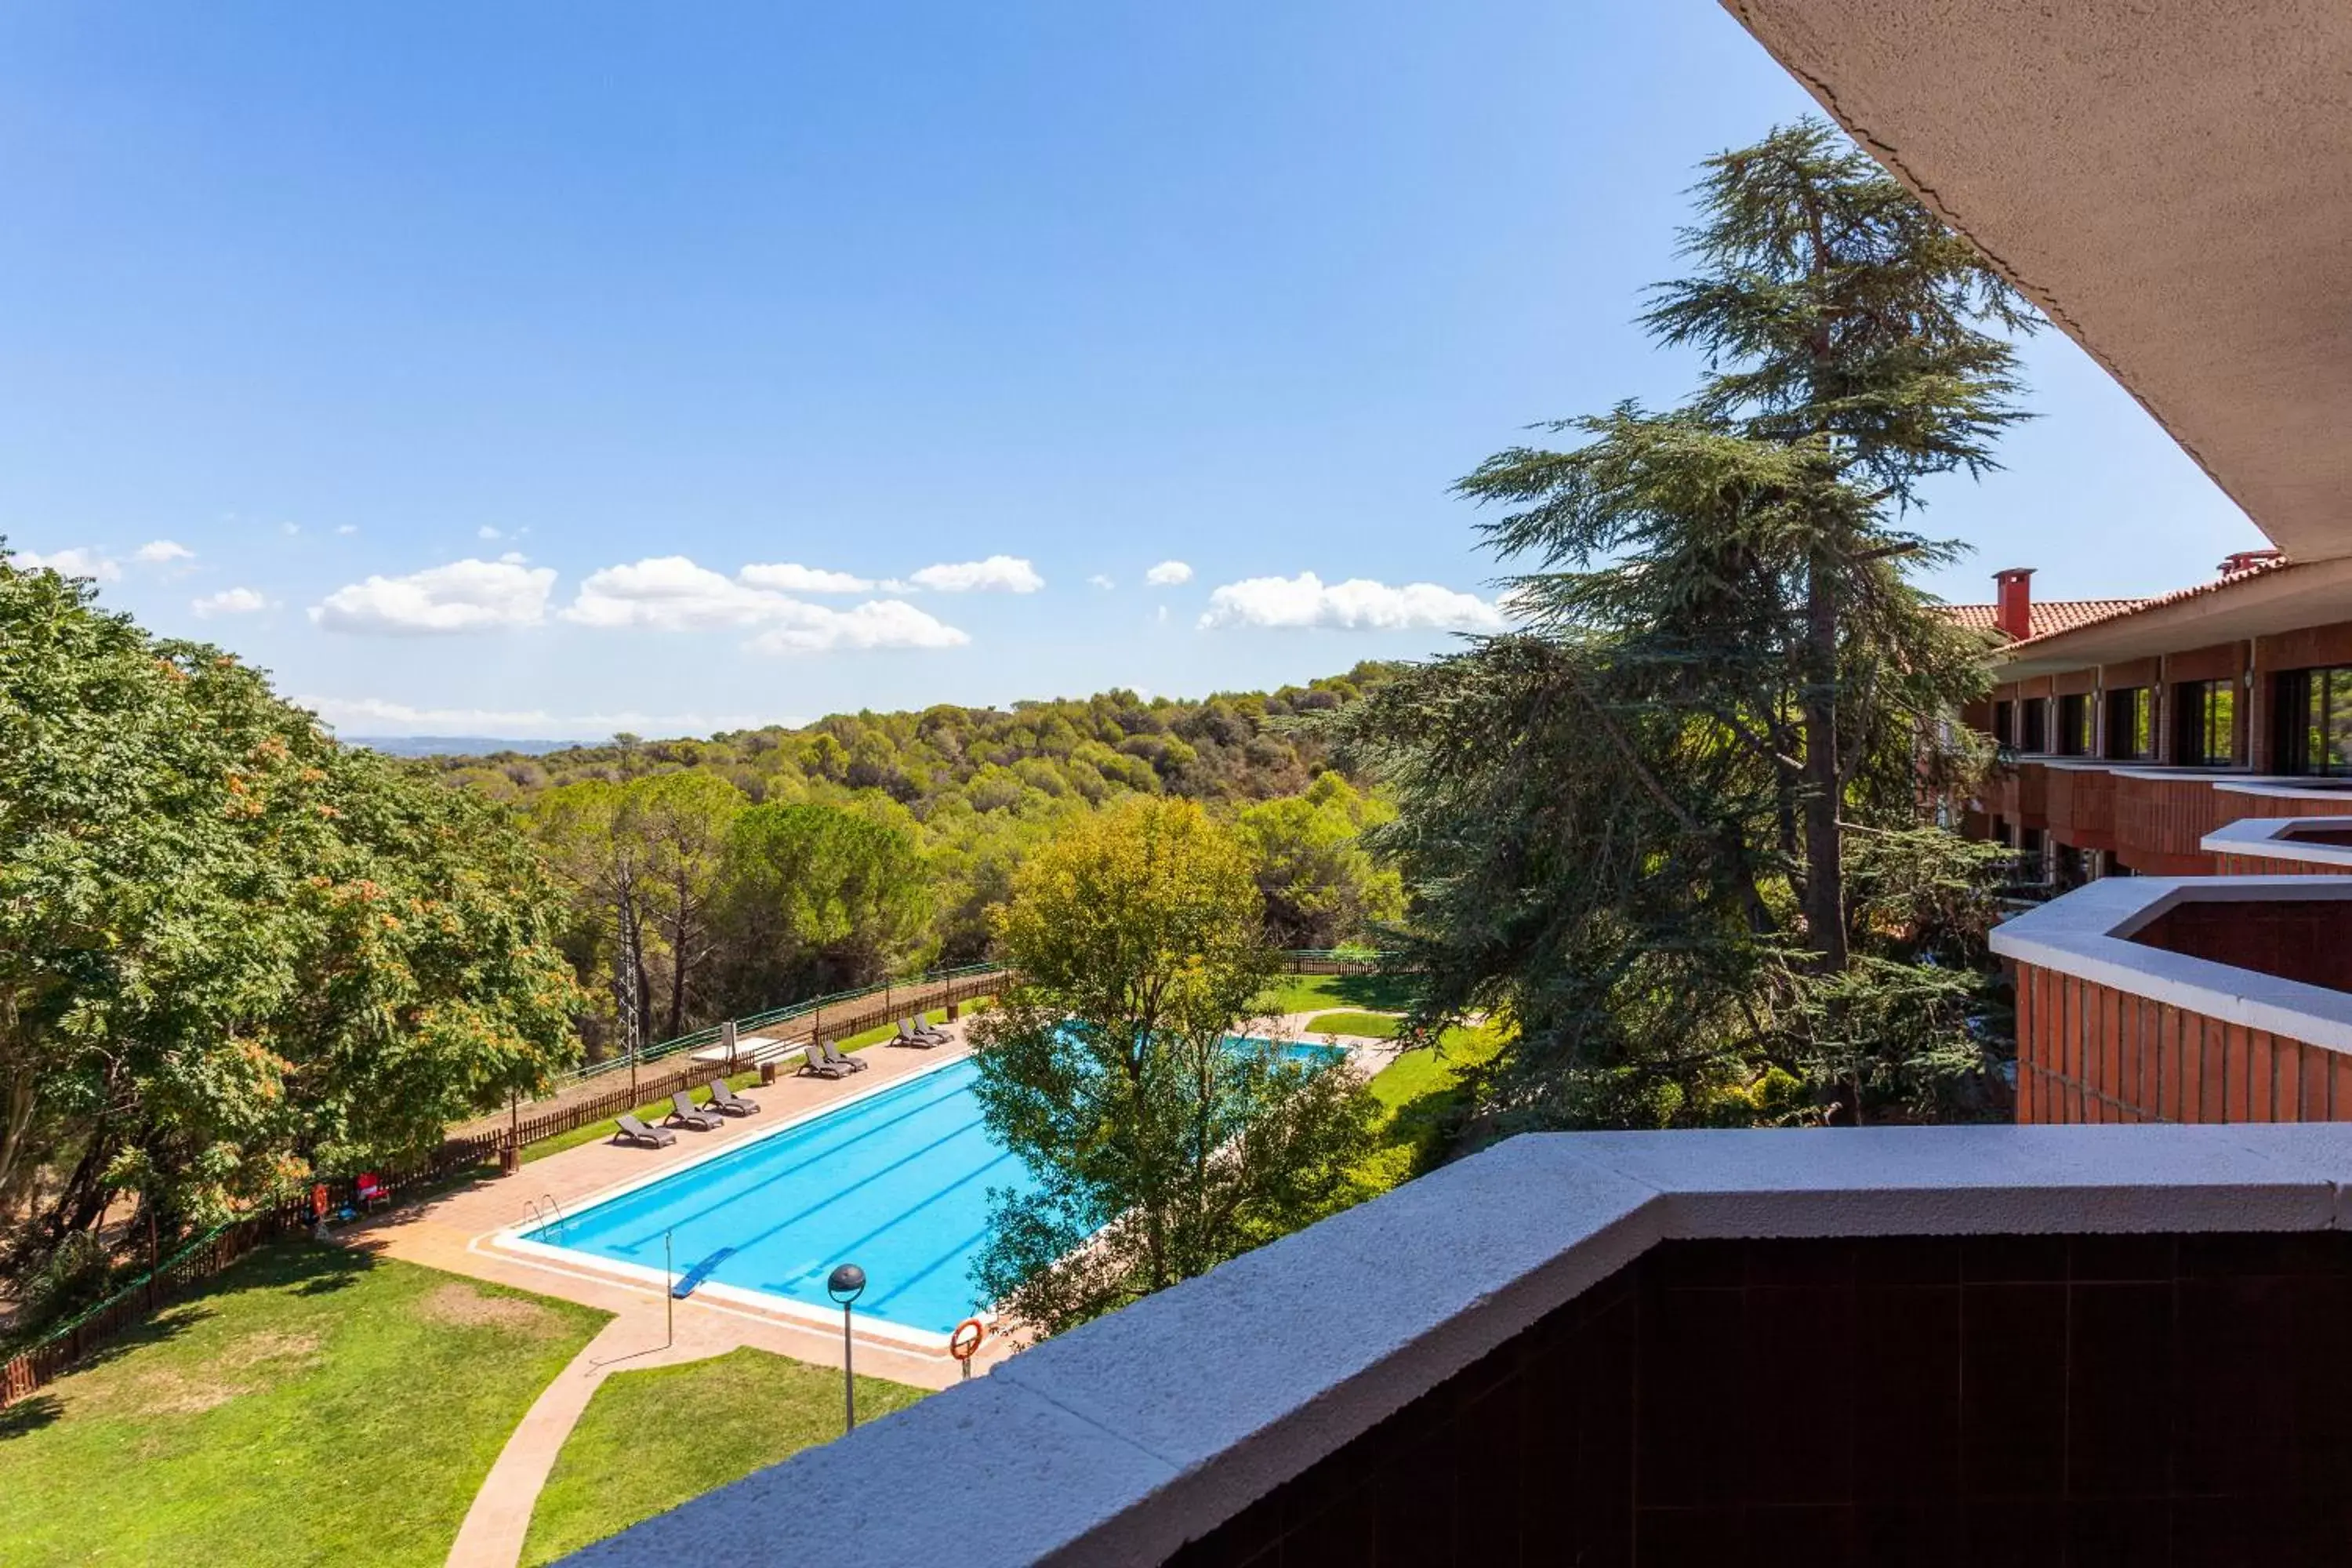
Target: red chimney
(2012, 609)
(2247, 560)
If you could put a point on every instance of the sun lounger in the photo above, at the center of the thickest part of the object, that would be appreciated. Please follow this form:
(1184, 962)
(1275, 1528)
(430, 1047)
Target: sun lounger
(832, 1053)
(637, 1131)
(909, 1037)
(723, 1098)
(933, 1030)
(685, 1113)
(813, 1064)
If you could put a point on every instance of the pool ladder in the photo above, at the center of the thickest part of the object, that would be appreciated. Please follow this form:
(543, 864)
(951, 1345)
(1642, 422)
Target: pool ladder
(549, 1219)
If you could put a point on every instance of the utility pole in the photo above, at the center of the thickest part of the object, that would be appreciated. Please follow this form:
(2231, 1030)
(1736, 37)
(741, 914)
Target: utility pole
(625, 960)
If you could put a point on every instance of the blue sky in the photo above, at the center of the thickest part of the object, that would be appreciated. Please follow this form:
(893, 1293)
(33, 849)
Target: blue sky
(466, 357)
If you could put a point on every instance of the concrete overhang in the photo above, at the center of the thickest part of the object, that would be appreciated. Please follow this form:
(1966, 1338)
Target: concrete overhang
(2169, 180)
(2317, 594)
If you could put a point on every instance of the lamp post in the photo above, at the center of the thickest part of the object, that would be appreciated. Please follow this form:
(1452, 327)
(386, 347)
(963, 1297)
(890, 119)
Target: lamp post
(846, 1284)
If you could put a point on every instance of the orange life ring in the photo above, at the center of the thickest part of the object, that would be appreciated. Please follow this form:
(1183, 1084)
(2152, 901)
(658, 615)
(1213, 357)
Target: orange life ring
(961, 1349)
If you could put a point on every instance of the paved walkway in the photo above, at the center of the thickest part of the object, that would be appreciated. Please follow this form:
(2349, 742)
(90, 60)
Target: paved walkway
(452, 1232)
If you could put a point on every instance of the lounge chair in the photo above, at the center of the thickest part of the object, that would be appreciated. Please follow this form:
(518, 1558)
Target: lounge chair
(832, 1053)
(813, 1064)
(637, 1131)
(909, 1037)
(723, 1098)
(684, 1112)
(932, 1030)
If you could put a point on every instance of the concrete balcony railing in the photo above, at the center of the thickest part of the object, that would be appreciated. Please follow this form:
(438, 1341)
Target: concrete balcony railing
(2153, 818)
(2269, 846)
(2188, 999)
(1984, 1344)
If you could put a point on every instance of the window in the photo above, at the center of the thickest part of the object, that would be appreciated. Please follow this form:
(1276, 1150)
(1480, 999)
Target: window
(2207, 734)
(2074, 726)
(2315, 720)
(2004, 723)
(2131, 724)
(2036, 738)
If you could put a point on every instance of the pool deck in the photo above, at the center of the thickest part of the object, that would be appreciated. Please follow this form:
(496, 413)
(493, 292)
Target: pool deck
(456, 1232)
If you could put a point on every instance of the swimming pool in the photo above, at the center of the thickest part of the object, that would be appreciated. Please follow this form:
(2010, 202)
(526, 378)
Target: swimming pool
(896, 1181)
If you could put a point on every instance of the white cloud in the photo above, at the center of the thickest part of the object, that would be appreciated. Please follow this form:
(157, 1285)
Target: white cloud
(514, 558)
(998, 573)
(667, 593)
(1101, 579)
(347, 528)
(787, 578)
(229, 602)
(289, 529)
(1167, 573)
(464, 596)
(670, 593)
(486, 531)
(157, 552)
(1357, 605)
(74, 562)
(877, 622)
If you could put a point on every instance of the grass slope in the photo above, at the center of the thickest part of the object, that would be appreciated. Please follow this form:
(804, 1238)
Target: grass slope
(1365, 993)
(649, 1440)
(1422, 1091)
(1366, 1026)
(315, 1406)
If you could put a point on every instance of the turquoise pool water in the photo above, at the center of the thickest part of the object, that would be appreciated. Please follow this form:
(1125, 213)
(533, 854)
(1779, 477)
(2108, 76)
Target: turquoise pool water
(897, 1182)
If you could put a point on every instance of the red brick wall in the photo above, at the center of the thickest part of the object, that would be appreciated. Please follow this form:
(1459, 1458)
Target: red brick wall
(2090, 1053)
(2159, 822)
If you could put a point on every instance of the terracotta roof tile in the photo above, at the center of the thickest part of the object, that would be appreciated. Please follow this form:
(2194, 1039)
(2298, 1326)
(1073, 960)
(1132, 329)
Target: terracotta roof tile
(2135, 607)
(2049, 615)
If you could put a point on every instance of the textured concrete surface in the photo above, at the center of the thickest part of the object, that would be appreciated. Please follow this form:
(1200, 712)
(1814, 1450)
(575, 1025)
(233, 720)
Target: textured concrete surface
(2087, 933)
(2170, 180)
(1116, 1442)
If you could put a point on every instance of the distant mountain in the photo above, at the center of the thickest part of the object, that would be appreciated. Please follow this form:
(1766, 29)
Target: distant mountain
(452, 745)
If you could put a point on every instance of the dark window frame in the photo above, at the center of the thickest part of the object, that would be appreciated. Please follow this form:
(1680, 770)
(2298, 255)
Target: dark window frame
(2200, 708)
(2033, 736)
(2314, 706)
(2131, 724)
(2075, 736)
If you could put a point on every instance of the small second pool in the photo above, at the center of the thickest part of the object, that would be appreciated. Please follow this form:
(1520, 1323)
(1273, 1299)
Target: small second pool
(897, 1182)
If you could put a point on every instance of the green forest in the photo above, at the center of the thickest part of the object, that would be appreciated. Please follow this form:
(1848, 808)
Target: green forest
(729, 875)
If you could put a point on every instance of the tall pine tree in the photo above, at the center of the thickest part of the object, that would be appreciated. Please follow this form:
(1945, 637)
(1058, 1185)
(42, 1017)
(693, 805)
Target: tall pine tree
(1631, 826)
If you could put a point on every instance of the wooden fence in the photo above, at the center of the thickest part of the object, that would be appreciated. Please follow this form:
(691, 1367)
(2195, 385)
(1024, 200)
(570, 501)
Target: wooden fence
(502, 1140)
(187, 1268)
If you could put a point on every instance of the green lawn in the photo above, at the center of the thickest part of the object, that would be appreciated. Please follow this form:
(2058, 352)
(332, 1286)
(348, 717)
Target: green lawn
(651, 1439)
(1422, 1091)
(1373, 1025)
(314, 1407)
(1366, 993)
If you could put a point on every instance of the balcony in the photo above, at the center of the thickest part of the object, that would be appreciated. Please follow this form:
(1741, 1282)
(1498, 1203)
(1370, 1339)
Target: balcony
(1984, 1344)
(2153, 818)
(2195, 999)
(2271, 846)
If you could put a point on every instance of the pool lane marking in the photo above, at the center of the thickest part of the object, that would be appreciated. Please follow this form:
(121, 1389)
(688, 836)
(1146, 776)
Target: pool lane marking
(807, 1156)
(835, 1194)
(961, 1249)
(810, 1270)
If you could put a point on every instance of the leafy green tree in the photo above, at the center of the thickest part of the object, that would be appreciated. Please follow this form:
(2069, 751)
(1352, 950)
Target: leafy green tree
(819, 897)
(233, 952)
(1627, 826)
(1160, 1147)
(681, 819)
(1322, 886)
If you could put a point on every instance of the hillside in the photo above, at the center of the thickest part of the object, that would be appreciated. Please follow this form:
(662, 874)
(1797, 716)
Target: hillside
(757, 865)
